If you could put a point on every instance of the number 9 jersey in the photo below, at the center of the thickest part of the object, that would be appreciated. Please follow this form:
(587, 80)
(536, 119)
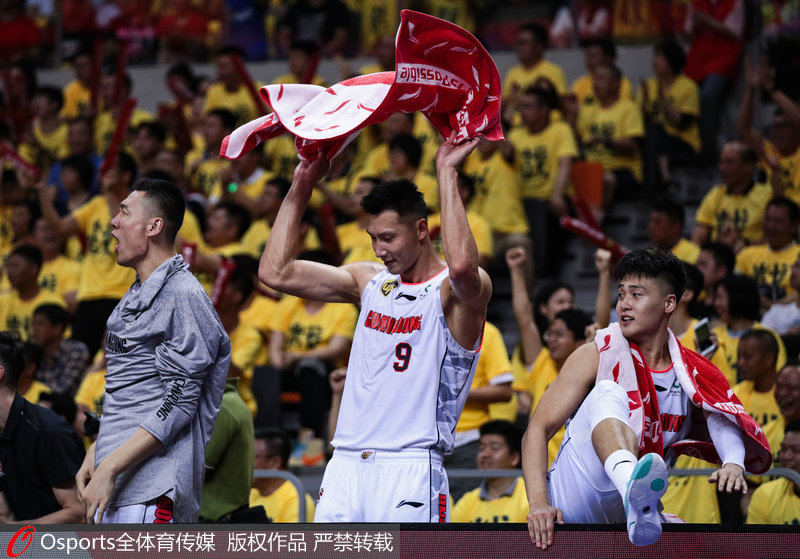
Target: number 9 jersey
(407, 378)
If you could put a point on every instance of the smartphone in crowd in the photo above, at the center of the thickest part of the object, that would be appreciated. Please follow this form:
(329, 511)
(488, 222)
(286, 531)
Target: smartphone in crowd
(702, 333)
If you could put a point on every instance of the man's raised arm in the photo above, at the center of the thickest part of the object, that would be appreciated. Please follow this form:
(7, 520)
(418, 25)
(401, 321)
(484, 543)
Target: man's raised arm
(279, 268)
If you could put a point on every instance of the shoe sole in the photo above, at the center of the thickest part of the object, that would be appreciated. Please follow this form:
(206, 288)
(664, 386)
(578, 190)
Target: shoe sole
(648, 484)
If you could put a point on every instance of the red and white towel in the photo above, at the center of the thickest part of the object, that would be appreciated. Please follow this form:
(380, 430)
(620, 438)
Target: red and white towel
(441, 70)
(706, 386)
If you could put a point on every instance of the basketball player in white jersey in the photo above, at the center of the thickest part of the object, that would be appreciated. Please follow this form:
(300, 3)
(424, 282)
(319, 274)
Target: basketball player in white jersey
(600, 474)
(415, 347)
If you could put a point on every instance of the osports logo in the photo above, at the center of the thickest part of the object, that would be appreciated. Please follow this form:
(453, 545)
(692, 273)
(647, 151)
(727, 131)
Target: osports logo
(26, 533)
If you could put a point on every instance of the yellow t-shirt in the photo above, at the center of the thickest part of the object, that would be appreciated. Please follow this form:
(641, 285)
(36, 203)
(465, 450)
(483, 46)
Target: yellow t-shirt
(771, 269)
(692, 498)
(729, 346)
(355, 243)
(291, 78)
(106, 123)
(207, 280)
(622, 120)
(774, 502)
(6, 234)
(190, 231)
(282, 156)
(239, 102)
(77, 99)
(54, 142)
(536, 157)
(255, 239)
(246, 344)
(478, 225)
(35, 390)
(60, 276)
(454, 11)
(745, 212)
(258, 315)
(685, 97)
(523, 77)
(306, 331)
(686, 250)
(584, 90)
(508, 508)
(788, 167)
(760, 405)
(376, 161)
(16, 315)
(496, 196)
(493, 368)
(206, 179)
(101, 276)
(283, 504)
(90, 392)
(378, 18)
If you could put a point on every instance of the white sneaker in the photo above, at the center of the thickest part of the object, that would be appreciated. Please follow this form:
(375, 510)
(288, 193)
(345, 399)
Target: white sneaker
(647, 485)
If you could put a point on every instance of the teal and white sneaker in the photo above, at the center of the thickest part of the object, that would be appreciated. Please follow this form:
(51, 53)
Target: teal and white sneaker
(647, 485)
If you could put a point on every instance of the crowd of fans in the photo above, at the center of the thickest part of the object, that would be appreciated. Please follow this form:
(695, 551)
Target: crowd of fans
(62, 182)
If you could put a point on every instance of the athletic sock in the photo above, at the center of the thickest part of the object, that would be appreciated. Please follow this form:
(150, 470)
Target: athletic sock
(619, 468)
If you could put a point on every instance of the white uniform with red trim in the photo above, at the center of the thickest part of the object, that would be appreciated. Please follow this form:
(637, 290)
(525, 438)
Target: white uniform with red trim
(407, 382)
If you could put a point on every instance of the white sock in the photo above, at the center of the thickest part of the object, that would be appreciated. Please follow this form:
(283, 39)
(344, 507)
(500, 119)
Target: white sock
(619, 468)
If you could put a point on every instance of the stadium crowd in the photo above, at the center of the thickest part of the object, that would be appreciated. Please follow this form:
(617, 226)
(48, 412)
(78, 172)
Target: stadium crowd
(66, 168)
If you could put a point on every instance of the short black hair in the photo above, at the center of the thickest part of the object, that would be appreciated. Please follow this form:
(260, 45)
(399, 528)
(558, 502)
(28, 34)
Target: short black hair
(672, 209)
(744, 300)
(401, 196)
(52, 93)
(55, 314)
(237, 214)
(673, 52)
(467, 183)
(278, 443)
(510, 432)
(793, 426)
(32, 354)
(241, 280)
(694, 281)
(538, 31)
(61, 404)
(282, 184)
(30, 253)
(81, 164)
(167, 202)
(576, 321)
(746, 153)
(410, 146)
(764, 338)
(154, 129)
(655, 264)
(12, 358)
(542, 295)
(230, 50)
(127, 164)
(605, 44)
(226, 118)
(309, 48)
(792, 209)
(616, 73)
(544, 95)
(723, 254)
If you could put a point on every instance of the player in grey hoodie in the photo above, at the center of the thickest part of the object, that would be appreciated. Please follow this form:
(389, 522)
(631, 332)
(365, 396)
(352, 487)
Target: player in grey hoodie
(168, 358)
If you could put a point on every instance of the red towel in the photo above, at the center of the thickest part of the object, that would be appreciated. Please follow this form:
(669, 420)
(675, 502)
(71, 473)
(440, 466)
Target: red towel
(441, 70)
(706, 387)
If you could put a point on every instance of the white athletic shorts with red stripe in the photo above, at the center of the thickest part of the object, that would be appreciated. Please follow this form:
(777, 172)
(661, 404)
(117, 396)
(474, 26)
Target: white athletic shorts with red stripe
(384, 486)
(157, 511)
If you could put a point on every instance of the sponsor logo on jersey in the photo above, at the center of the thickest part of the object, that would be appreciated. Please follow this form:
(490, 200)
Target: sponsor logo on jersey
(442, 507)
(173, 397)
(388, 286)
(672, 423)
(366, 454)
(391, 325)
(403, 503)
(405, 296)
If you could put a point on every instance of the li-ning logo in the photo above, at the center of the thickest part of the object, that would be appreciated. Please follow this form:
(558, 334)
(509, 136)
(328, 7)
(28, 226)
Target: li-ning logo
(405, 296)
(388, 286)
(403, 503)
(115, 344)
(26, 535)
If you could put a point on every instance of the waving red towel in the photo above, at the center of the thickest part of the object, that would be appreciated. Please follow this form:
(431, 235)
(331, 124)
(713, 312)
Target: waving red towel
(441, 70)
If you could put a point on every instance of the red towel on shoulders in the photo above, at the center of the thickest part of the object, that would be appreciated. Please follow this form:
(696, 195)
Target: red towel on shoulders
(441, 70)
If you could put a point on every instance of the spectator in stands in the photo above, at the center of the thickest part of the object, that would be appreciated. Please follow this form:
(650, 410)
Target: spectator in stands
(226, 225)
(39, 451)
(542, 151)
(114, 91)
(777, 502)
(733, 212)
(278, 496)
(49, 131)
(135, 26)
(148, 140)
(230, 451)
(17, 305)
(405, 162)
(529, 48)
(667, 220)
(769, 264)
(268, 203)
(229, 91)
(243, 181)
(716, 29)
(756, 361)
(491, 384)
(103, 281)
(182, 31)
(597, 52)
(18, 34)
(323, 22)
(59, 274)
(204, 166)
(610, 134)
(64, 362)
(670, 104)
(498, 499)
(244, 21)
(780, 152)
(354, 242)
(24, 214)
(301, 61)
(27, 385)
(80, 140)
(78, 92)
(715, 261)
(785, 318)
(78, 179)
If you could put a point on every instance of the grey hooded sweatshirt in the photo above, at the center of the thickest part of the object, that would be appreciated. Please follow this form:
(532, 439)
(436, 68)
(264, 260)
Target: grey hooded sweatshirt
(168, 358)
